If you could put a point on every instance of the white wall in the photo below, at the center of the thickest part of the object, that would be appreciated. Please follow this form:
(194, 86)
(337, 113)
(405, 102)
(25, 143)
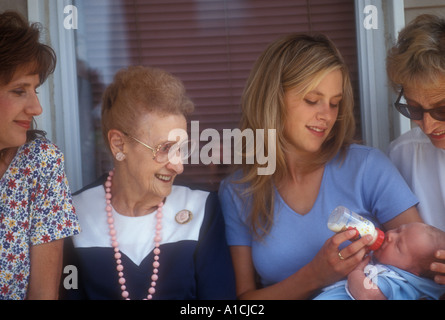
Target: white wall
(414, 8)
(16, 5)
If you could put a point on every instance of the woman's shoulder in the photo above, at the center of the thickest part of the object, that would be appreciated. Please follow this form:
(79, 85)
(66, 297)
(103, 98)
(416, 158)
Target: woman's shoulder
(410, 138)
(182, 196)
(360, 148)
(361, 152)
(90, 191)
(40, 156)
(233, 185)
(232, 180)
(41, 148)
(89, 195)
(409, 145)
(361, 156)
(89, 202)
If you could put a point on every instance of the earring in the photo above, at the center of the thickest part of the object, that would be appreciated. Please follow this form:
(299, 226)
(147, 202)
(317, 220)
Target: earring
(120, 156)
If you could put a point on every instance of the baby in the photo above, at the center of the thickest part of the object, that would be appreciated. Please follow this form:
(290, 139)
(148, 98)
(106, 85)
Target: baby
(403, 269)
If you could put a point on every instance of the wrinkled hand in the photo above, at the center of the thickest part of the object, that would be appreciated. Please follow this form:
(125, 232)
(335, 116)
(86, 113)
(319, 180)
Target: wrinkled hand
(439, 267)
(331, 264)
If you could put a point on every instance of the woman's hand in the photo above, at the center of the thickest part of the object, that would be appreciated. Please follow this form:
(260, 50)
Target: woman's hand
(332, 264)
(439, 267)
(326, 268)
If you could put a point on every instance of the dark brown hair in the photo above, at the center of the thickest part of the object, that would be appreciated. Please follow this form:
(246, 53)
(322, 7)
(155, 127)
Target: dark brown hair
(20, 48)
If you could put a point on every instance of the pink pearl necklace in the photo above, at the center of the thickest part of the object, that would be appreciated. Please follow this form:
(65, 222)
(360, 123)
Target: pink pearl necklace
(115, 244)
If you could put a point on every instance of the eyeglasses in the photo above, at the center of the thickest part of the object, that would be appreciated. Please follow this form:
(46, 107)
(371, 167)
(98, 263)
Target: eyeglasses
(416, 113)
(169, 151)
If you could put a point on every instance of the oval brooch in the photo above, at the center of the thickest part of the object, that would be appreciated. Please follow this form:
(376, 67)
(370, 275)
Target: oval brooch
(184, 216)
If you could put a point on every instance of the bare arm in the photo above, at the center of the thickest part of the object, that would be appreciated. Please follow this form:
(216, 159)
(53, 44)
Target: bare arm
(361, 287)
(291, 288)
(46, 268)
(356, 285)
(407, 216)
(323, 270)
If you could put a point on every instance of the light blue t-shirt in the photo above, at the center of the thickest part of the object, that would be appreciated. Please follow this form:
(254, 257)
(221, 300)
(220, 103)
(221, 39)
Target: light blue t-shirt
(365, 182)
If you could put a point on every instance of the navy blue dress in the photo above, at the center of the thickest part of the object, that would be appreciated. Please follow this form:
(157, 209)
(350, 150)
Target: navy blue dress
(195, 261)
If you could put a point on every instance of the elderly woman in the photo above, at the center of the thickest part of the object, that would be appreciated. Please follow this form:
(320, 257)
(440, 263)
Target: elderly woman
(277, 224)
(143, 237)
(36, 209)
(416, 68)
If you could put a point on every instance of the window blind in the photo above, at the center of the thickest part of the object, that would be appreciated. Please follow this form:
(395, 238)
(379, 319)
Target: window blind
(210, 45)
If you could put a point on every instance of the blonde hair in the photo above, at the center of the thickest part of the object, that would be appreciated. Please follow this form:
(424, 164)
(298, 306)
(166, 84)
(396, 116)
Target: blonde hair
(138, 90)
(294, 61)
(418, 58)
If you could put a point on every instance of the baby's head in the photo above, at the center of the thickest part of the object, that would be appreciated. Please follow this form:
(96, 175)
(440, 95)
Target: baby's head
(411, 247)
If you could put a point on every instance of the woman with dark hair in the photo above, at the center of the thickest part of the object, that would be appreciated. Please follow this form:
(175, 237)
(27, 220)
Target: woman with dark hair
(36, 208)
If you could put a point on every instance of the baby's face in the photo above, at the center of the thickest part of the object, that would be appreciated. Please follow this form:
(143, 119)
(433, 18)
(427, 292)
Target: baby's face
(401, 246)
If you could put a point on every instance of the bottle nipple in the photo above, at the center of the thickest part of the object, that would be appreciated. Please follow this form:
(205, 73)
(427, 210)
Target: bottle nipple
(378, 240)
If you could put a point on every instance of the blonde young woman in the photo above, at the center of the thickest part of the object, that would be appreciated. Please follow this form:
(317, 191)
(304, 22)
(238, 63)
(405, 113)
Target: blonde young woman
(416, 68)
(276, 225)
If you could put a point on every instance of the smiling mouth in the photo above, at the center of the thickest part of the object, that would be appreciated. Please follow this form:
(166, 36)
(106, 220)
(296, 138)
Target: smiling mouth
(24, 124)
(317, 129)
(164, 177)
(438, 134)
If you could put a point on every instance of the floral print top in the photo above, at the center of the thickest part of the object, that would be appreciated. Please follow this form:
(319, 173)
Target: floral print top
(35, 208)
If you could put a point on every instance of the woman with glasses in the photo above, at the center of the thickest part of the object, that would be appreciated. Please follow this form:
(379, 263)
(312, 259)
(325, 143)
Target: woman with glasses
(416, 68)
(36, 210)
(143, 237)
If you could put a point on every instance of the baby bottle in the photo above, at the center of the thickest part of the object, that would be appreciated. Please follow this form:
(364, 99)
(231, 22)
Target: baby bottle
(342, 219)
